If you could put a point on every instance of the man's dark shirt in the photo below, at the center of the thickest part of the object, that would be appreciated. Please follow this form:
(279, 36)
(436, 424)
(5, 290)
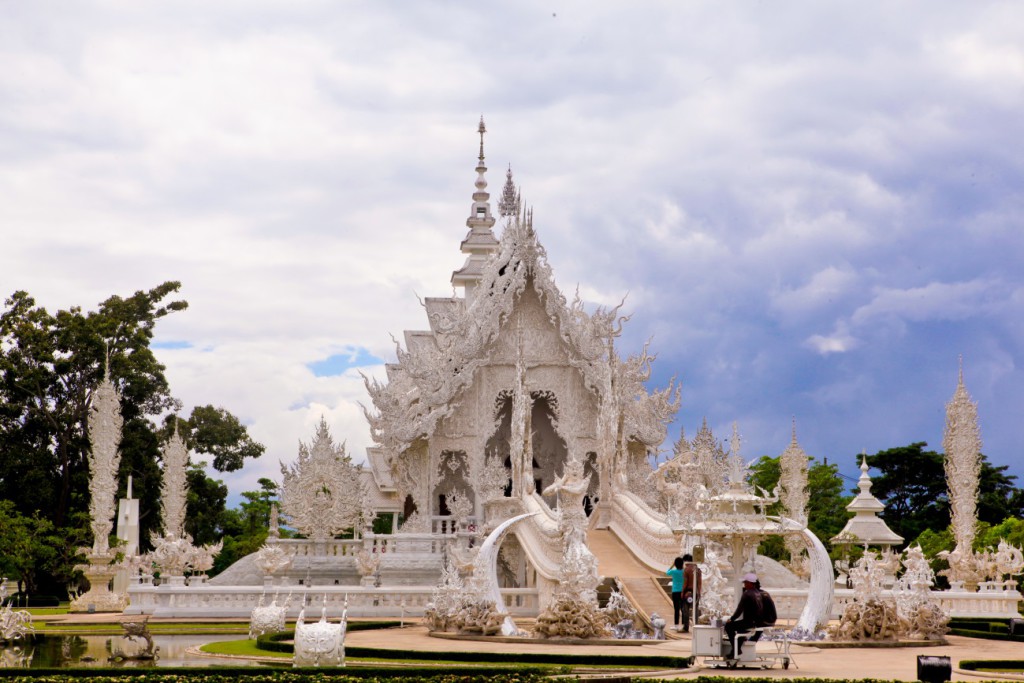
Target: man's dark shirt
(750, 608)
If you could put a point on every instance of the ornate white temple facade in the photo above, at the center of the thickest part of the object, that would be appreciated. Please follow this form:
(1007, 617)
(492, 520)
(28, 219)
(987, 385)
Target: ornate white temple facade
(510, 401)
(509, 383)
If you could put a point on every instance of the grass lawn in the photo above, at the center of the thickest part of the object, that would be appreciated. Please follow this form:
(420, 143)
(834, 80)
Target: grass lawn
(166, 629)
(247, 648)
(244, 648)
(45, 611)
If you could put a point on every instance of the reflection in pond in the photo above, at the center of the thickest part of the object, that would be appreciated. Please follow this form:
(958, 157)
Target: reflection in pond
(48, 651)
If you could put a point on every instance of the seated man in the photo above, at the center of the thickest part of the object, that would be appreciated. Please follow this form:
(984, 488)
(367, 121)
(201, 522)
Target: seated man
(748, 614)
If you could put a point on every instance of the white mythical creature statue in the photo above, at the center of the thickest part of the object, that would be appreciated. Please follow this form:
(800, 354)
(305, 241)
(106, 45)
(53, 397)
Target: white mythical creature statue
(573, 612)
(272, 559)
(914, 599)
(14, 624)
(320, 643)
(268, 618)
(1008, 562)
(578, 571)
(440, 612)
(870, 616)
(367, 564)
(713, 604)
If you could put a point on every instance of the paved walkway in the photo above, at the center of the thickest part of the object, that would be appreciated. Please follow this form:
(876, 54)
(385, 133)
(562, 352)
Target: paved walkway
(810, 662)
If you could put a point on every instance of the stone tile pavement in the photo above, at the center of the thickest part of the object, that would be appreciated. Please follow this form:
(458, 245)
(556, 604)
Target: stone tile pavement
(895, 663)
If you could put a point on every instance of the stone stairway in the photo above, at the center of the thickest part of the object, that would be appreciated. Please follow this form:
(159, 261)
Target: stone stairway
(638, 582)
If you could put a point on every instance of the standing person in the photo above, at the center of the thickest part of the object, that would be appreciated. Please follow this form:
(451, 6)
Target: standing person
(691, 587)
(678, 583)
(748, 614)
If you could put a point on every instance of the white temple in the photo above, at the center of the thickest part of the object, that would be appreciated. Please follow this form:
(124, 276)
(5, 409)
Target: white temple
(512, 402)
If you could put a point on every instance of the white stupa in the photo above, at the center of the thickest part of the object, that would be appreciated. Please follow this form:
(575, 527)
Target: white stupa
(866, 527)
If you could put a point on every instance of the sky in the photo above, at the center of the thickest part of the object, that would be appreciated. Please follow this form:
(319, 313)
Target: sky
(812, 210)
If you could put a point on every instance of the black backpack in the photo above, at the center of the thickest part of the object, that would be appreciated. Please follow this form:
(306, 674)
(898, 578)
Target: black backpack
(768, 613)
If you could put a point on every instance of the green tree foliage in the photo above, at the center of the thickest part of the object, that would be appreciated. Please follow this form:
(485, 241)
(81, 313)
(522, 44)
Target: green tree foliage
(205, 506)
(245, 527)
(998, 498)
(1010, 530)
(215, 431)
(912, 484)
(826, 506)
(50, 365)
(30, 547)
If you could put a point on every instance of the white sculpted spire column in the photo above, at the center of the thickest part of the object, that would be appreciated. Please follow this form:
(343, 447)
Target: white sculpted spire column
(174, 486)
(962, 443)
(794, 496)
(105, 424)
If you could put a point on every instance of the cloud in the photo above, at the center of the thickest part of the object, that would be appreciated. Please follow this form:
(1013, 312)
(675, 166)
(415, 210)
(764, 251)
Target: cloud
(810, 208)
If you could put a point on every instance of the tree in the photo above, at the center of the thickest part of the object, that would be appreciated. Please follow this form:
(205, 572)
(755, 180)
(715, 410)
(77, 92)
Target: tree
(998, 498)
(1010, 530)
(216, 432)
(205, 506)
(826, 507)
(49, 368)
(912, 484)
(23, 546)
(246, 527)
(50, 365)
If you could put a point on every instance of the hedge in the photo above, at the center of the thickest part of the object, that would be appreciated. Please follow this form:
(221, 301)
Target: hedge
(18, 600)
(272, 643)
(262, 675)
(981, 627)
(1002, 664)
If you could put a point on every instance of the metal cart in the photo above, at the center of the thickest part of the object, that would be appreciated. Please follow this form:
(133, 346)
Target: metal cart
(709, 642)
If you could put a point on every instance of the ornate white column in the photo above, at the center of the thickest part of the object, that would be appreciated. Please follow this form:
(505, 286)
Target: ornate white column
(105, 424)
(962, 443)
(794, 496)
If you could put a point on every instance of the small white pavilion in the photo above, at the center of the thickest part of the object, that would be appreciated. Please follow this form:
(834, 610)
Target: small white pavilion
(866, 527)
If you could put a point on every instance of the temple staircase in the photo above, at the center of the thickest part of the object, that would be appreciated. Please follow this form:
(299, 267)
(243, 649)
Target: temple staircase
(640, 584)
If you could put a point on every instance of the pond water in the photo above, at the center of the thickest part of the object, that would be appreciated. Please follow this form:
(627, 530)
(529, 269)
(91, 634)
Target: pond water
(42, 651)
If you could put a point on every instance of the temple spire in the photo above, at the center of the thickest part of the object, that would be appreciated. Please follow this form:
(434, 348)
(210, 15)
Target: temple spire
(480, 242)
(508, 205)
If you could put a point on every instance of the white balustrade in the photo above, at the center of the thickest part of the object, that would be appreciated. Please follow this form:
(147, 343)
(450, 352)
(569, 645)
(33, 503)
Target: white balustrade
(239, 601)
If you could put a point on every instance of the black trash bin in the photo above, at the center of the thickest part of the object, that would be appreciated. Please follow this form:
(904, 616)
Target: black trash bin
(1016, 627)
(933, 669)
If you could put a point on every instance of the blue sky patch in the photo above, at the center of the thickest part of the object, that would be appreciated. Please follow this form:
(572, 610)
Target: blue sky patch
(173, 344)
(341, 362)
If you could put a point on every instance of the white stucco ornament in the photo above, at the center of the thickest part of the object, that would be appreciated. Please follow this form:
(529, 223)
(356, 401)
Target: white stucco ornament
(320, 491)
(962, 444)
(105, 424)
(268, 618)
(320, 643)
(273, 559)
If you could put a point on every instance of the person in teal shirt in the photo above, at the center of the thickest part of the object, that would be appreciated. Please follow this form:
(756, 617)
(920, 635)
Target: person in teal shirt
(678, 584)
